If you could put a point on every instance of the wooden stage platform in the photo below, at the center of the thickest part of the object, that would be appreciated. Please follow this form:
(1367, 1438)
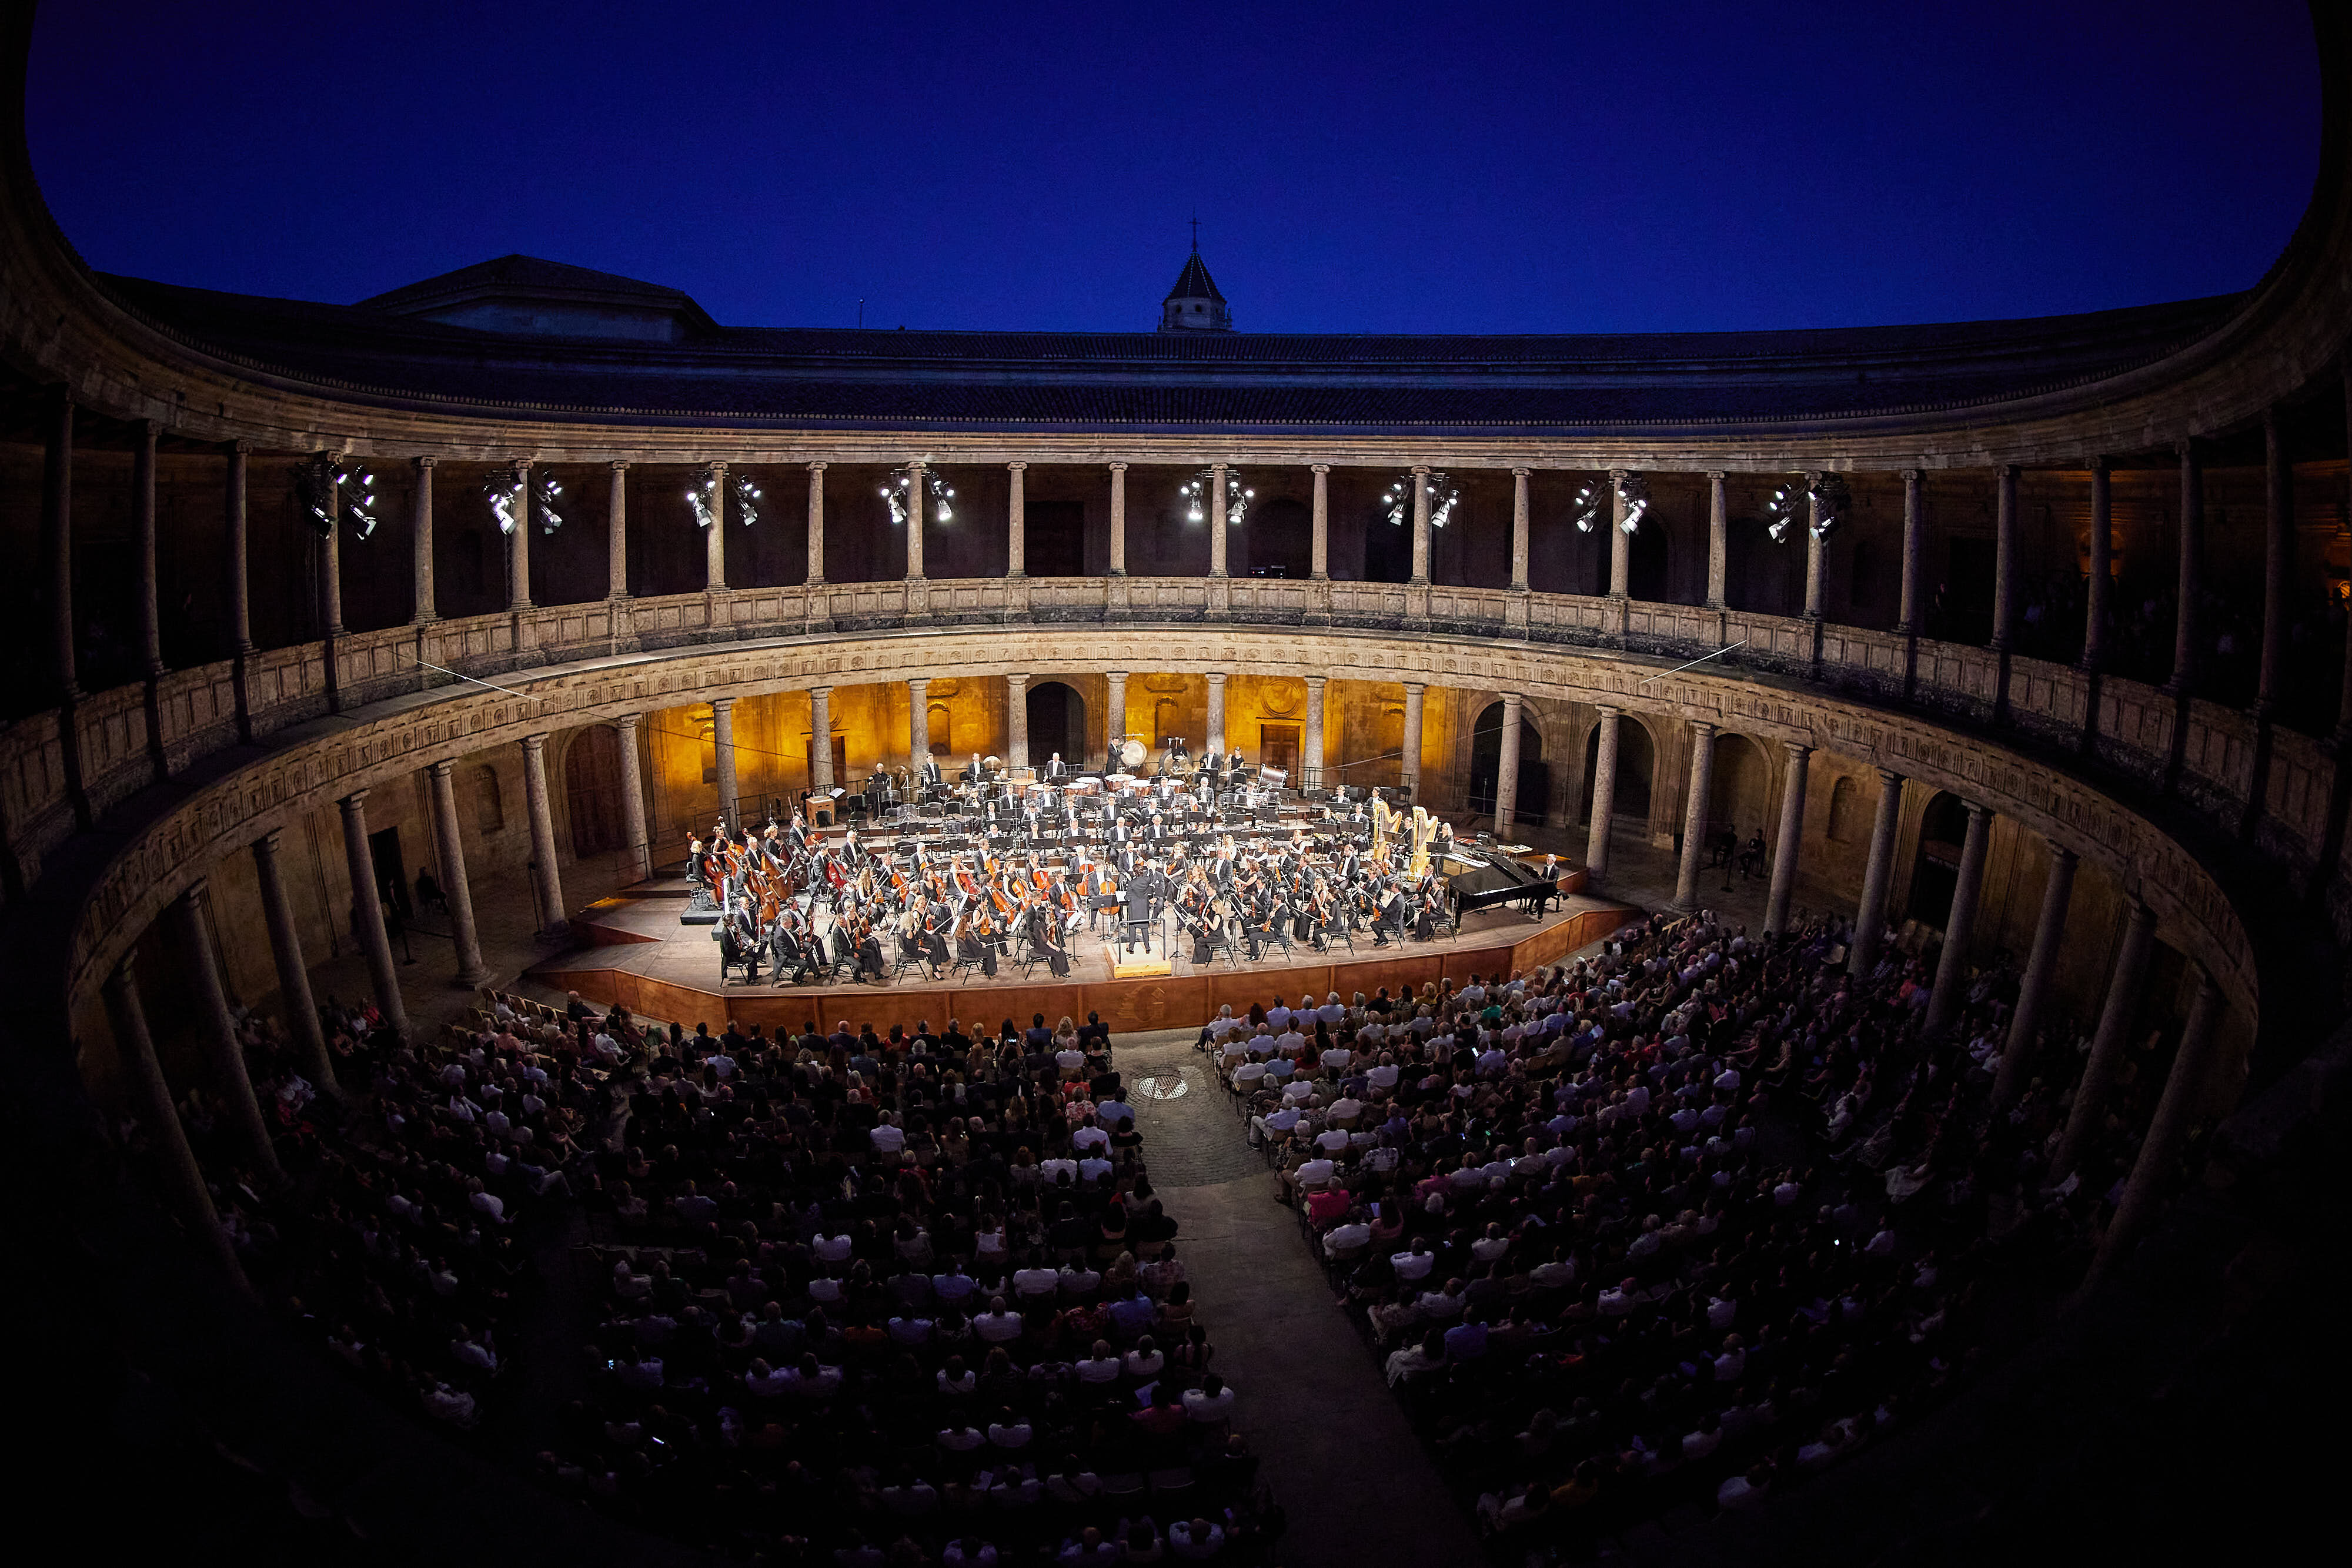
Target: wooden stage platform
(635, 953)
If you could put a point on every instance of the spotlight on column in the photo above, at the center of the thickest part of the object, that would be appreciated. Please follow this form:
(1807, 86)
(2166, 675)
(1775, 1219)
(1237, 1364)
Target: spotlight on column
(746, 499)
(1199, 490)
(1784, 509)
(1633, 490)
(327, 488)
(704, 497)
(900, 487)
(509, 504)
(1443, 498)
(1591, 501)
(1399, 501)
(550, 492)
(1831, 500)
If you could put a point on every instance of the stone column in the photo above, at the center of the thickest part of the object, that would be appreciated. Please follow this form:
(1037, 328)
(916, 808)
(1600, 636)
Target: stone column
(1719, 541)
(723, 748)
(2278, 558)
(1792, 838)
(1420, 523)
(2041, 965)
(2004, 556)
(1016, 721)
(422, 589)
(714, 548)
(616, 533)
(636, 842)
(1621, 543)
(542, 833)
(2176, 1111)
(1311, 765)
(450, 837)
(1016, 525)
(1915, 539)
(2100, 589)
(240, 583)
(224, 1057)
(821, 779)
(1604, 798)
(186, 1195)
(330, 567)
(367, 908)
(1959, 926)
(1118, 520)
(2186, 659)
(1506, 767)
(1216, 520)
(1215, 743)
(143, 509)
(1319, 562)
(816, 525)
(2107, 1043)
(1409, 741)
(1519, 530)
(918, 721)
(293, 974)
(1114, 717)
(1813, 549)
(1877, 876)
(1694, 806)
(519, 543)
(56, 533)
(2344, 703)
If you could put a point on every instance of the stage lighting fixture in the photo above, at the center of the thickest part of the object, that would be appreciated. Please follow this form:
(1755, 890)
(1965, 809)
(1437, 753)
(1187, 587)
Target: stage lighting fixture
(1634, 491)
(328, 488)
(1831, 500)
(550, 519)
(1197, 495)
(1591, 500)
(943, 496)
(1784, 509)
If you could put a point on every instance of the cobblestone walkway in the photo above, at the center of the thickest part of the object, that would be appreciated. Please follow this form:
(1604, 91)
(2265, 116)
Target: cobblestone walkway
(1191, 1136)
(1359, 1488)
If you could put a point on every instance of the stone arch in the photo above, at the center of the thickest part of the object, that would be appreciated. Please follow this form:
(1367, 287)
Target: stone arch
(1845, 817)
(1057, 722)
(1934, 865)
(1637, 763)
(592, 789)
(1486, 764)
(1739, 794)
(490, 799)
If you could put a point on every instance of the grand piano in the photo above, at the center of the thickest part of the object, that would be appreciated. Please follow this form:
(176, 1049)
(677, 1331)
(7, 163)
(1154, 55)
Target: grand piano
(1475, 880)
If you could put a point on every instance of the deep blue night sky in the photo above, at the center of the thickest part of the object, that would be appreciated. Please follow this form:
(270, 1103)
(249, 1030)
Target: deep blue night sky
(1359, 167)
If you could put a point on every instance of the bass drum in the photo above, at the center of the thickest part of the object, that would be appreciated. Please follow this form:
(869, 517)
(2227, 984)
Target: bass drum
(1131, 753)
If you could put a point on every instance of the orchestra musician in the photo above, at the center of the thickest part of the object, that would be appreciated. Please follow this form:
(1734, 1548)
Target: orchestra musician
(811, 902)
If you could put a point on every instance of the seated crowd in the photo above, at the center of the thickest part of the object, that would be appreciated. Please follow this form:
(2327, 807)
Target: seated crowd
(855, 1297)
(1680, 1222)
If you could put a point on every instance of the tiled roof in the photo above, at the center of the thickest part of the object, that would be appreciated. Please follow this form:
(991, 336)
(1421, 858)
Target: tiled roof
(844, 378)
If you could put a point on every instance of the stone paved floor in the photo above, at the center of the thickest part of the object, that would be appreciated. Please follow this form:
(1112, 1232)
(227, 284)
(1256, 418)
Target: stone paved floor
(1357, 1485)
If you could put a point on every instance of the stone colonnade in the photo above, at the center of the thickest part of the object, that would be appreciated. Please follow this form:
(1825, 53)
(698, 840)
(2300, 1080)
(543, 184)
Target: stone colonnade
(58, 512)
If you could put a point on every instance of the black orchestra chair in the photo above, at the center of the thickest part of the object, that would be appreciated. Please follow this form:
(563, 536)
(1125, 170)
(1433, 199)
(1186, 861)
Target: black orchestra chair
(910, 956)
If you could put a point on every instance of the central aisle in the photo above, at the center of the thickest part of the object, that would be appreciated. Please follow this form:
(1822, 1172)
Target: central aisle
(1357, 1485)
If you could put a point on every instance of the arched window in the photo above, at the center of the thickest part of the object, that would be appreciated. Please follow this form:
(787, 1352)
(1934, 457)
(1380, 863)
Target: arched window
(942, 729)
(1846, 811)
(490, 805)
